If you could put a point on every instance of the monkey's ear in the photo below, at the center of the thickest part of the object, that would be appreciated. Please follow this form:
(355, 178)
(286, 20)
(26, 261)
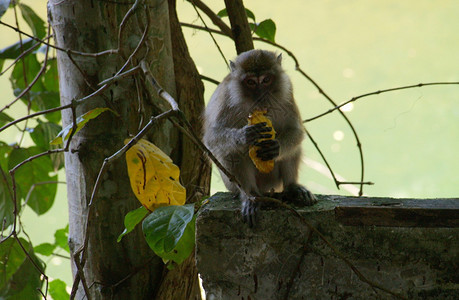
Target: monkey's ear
(232, 66)
(279, 59)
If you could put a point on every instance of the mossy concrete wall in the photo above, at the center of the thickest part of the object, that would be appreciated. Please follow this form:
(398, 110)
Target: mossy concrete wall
(281, 259)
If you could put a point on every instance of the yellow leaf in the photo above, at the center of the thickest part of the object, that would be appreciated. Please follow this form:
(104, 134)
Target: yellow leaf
(258, 116)
(154, 177)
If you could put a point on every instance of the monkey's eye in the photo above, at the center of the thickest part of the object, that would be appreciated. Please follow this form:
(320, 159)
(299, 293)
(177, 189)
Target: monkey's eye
(250, 82)
(266, 80)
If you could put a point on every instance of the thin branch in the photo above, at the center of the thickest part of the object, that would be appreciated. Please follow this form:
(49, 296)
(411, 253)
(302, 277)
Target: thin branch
(36, 266)
(213, 17)
(161, 93)
(380, 92)
(29, 86)
(24, 72)
(105, 52)
(203, 77)
(33, 157)
(142, 40)
(323, 158)
(118, 76)
(43, 112)
(212, 37)
(26, 52)
(32, 188)
(129, 13)
(74, 126)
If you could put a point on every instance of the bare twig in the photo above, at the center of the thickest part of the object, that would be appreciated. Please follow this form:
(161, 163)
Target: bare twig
(213, 17)
(102, 53)
(203, 77)
(381, 92)
(43, 112)
(129, 13)
(28, 86)
(33, 157)
(26, 52)
(212, 37)
(120, 76)
(142, 40)
(161, 93)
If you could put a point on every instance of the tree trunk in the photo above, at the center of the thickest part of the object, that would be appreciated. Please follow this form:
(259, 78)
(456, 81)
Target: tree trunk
(182, 282)
(239, 25)
(125, 270)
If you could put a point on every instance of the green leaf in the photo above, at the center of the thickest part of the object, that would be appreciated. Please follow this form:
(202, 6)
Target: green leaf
(6, 203)
(14, 50)
(43, 133)
(81, 122)
(184, 246)
(51, 77)
(29, 176)
(4, 118)
(222, 13)
(249, 13)
(57, 290)
(5, 150)
(42, 100)
(31, 66)
(11, 259)
(26, 280)
(44, 94)
(3, 7)
(6, 192)
(164, 227)
(33, 20)
(46, 100)
(266, 30)
(61, 237)
(131, 220)
(45, 249)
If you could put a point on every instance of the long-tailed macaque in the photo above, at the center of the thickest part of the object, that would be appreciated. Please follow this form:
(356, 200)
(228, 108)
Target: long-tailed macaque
(256, 82)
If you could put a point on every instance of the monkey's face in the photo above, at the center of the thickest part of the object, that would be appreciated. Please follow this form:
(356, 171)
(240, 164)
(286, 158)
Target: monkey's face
(257, 73)
(258, 87)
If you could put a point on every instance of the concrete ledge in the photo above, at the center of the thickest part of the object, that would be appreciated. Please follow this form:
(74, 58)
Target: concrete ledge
(275, 260)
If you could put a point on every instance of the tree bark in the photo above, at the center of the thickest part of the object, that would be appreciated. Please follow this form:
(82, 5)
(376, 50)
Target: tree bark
(125, 270)
(182, 282)
(239, 25)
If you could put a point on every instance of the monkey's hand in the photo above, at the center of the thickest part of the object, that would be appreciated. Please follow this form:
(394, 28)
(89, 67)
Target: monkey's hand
(252, 133)
(249, 210)
(298, 195)
(269, 149)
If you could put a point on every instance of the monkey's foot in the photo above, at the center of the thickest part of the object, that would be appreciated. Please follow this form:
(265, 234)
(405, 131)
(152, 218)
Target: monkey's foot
(298, 195)
(249, 211)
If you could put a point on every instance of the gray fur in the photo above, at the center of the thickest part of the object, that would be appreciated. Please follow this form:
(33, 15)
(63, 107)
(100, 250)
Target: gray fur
(225, 122)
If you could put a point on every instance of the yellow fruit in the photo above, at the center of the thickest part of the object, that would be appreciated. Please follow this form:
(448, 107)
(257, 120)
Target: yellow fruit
(258, 116)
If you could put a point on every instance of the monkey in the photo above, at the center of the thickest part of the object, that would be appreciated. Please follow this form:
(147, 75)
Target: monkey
(256, 81)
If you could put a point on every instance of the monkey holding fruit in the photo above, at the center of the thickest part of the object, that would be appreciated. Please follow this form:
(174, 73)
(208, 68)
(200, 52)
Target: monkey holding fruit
(257, 83)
